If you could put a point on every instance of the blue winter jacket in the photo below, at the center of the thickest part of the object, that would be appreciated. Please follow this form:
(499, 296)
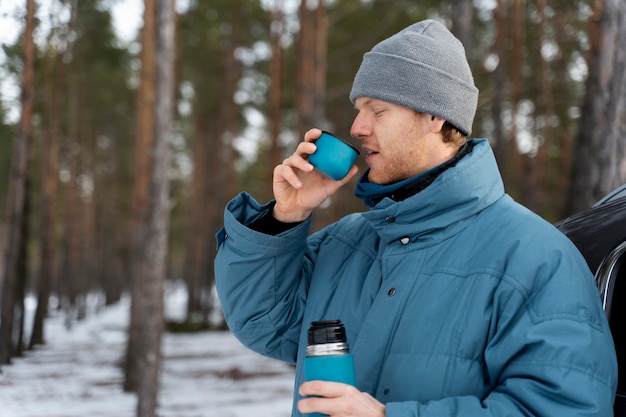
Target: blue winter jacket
(457, 301)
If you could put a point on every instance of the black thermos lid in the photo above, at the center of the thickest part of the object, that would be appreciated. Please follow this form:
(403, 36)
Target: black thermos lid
(326, 331)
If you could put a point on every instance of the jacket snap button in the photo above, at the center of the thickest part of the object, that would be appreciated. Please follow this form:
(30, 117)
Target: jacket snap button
(391, 292)
(404, 240)
(390, 219)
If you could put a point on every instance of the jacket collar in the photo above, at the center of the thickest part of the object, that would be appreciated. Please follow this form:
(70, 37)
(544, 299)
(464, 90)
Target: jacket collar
(447, 204)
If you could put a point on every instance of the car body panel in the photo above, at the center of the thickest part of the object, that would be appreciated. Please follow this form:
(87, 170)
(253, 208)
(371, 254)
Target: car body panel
(600, 235)
(598, 230)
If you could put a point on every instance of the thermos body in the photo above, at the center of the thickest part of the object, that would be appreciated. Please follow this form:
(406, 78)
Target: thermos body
(328, 356)
(337, 368)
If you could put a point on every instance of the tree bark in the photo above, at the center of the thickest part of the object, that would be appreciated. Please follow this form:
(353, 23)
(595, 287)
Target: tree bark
(142, 167)
(70, 264)
(321, 64)
(305, 81)
(223, 181)
(547, 178)
(462, 21)
(275, 94)
(155, 223)
(195, 243)
(600, 153)
(55, 72)
(311, 80)
(16, 195)
(499, 95)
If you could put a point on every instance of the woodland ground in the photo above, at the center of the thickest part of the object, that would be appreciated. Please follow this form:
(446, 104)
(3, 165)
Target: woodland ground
(204, 374)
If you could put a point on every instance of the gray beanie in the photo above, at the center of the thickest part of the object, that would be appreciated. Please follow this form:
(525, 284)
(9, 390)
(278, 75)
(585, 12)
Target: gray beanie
(424, 68)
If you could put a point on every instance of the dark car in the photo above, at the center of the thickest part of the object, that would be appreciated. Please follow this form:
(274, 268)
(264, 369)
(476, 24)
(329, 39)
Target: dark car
(600, 235)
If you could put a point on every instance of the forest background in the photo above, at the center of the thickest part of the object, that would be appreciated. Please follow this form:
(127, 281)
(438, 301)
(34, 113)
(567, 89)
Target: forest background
(124, 154)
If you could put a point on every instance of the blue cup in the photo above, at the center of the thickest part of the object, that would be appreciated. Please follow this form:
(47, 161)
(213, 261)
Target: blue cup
(333, 157)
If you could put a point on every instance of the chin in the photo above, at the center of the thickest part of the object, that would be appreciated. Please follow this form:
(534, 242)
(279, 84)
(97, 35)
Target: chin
(372, 179)
(376, 179)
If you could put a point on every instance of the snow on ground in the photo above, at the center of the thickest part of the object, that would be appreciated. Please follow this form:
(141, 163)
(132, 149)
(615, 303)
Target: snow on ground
(77, 373)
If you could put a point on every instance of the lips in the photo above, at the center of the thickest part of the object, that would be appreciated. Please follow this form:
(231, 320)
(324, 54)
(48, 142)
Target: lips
(369, 153)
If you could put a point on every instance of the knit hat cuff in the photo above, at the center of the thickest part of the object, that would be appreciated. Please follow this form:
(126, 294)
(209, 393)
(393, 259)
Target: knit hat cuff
(417, 86)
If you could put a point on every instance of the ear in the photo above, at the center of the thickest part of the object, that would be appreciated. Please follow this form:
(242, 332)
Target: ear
(436, 124)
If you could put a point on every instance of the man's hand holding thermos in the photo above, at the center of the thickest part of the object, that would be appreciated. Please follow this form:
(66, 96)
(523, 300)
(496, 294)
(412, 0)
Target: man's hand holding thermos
(329, 372)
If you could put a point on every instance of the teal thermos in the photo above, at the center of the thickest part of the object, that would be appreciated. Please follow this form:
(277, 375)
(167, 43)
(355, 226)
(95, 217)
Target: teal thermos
(328, 356)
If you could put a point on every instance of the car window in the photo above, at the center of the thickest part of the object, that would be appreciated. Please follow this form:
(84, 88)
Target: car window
(619, 192)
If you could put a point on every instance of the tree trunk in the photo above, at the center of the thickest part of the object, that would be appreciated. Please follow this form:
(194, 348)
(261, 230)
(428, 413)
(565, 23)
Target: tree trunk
(516, 76)
(55, 72)
(22, 272)
(312, 65)
(223, 182)
(321, 64)
(499, 95)
(462, 22)
(142, 167)
(600, 151)
(275, 94)
(69, 287)
(16, 195)
(195, 247)
(311, 83)
(547, 180)
(108, 271)
(305, 82)
(154, 224)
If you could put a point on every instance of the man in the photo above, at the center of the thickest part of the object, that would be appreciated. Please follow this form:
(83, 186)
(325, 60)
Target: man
(457, 301)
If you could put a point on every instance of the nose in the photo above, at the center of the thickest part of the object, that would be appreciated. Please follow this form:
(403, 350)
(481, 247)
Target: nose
(359, 128)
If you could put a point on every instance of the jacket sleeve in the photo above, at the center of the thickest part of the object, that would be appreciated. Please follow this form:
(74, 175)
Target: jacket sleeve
(262, 280)
(550, 352)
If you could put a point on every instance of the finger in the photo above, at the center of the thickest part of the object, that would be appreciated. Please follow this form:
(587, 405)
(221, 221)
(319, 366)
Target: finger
(326, 389)
(314, 404)
(312, 135)
(305, 149)
(287, 173)
(293, 164)
(335, 185)
(318, 396)
(299, 158)
(353, 171)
